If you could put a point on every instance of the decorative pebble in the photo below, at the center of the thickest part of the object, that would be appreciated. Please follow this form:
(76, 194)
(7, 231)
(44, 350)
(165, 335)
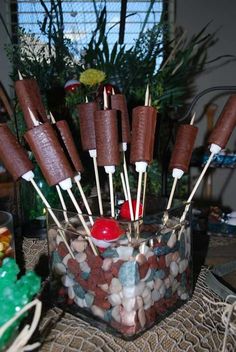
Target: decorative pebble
(183, 264)
(162, 290)
(71, 292)
(114, 299)
(129, 274)
(106, 265)
(79, 291)
(79, 301)
(142, 317)
(115, 286)
(149, 254)
(168, 259)
(104, 287)
(67, 281)
(161, 250)
(160, 274)
(110, 253)
(79, 245)
(158, 283)
(184, 296)
(59, 268)
(172, 240)
(66, 258)
(148, 304)
(167, 282)
(168, 293)
(97, 311)
(81, 257)
(176, 257)
(133, 291)
(129, 304)
(140, 258)
(174, 269)
(143, 248)
(84, 267)
(156, 295)
(144, 269)
(175, 285)
(139, 302)
(128, 318)
(124, 252)
(150, 284)
(89, 298)
(85, 275)
(107, 315)
(115, 313)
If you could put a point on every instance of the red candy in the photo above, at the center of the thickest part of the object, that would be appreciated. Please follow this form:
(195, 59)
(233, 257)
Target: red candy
(124, 210)
(71, 85)
(104, 231)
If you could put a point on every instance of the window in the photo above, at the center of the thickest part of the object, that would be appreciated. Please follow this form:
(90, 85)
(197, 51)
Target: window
(79, 18)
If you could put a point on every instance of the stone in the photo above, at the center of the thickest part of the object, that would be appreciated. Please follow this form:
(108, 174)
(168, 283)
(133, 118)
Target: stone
(62, 249)
(155, 295)
(94, 261)
(167, 282)
(81, 257)
(79, 301)
(168, 259)
(79, 244)
(172, 240)
(143, 248)
(139, 302)
(104, 287)
(184, 296)
(174, 269)
(158, 283)
(114, 299)
(175, 257)
(175, 285)
(183, 264)
(110, 253)
(98, 276)
(73, 266)
(150, 284)
(115, 268)
(108, 316)
(142, 317)
(153, 263)
(128, 318)
(129, 304)
(115, 286)
(66, 258)
(129, 274)
(71, 292)
(162, 262)
(79, 291)
(143, 269)
(108, 277)
(160, 274)
(129, 292)
(89, 298)
(67, 281)
(162, 250)
(168, 292)
(140, 258)
(107, 263)
(59, 269)
(84, 267)
(101, 303)
(125, 252)
(115, 313)
(97, 311)
(162, 290)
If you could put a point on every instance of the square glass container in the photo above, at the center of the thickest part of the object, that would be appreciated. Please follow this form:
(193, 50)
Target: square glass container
(134, 283)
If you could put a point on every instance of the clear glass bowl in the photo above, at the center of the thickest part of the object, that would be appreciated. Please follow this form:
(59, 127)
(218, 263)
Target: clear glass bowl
(132, 284)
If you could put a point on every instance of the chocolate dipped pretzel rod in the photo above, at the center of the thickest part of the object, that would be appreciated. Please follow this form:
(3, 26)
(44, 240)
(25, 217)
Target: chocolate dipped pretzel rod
(217, 140)
(143, 131)
(118, 102)
(107, 144)
(18, 165)
(54, 165)
(86, 113)
(28, 94)
(181, 155)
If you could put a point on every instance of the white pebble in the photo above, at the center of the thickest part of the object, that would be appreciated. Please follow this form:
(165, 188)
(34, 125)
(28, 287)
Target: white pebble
(104, 287)
(150, 284)
(175, 285)
(184, 296)
(97, 311)
(148, 304)
(71, 292)
(79, 301)
(172, 240)
(129, 304)
(66, 258)
(183, 264)
(142, 317)
(115, 313)
(132, 291)
(84, 267)
(128, 318)
(115, 286)
(67, 281)
(107, 263)
(114, 299)
(168, 259)
(149, 254)
(81, 257)
(139, 302)
(124, 252)
(174, 269)
(58, 239)
(156, 295)
(59, 268)
(79, 245)
(158, 283)
(162, 290)
(143, 248)
(146, 292)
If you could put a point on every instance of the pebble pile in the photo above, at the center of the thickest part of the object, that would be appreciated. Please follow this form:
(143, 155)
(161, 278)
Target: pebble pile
(127, 286)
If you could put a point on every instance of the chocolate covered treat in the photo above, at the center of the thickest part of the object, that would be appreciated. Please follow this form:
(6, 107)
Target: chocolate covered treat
(118, 102)
(28, 94)
(49, 154)
(183, 147)
(12, 154)
(143, 133)
(69, 144)
(87, 128)
(225, 124)
(107, 138)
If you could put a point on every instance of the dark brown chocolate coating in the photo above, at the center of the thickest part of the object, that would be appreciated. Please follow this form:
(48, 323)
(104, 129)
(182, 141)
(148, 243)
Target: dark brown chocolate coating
(225, 124)
(143, 133)
(118, 102)
(183, 148)
(87, 127)
(28, 94)
(49, 154)
(107, 138)
(12, 154)
(69, 144)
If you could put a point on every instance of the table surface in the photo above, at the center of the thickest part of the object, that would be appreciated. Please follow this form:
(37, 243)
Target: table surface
(183, 330)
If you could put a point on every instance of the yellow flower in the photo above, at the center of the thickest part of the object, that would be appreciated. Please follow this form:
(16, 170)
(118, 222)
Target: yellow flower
(91, 77)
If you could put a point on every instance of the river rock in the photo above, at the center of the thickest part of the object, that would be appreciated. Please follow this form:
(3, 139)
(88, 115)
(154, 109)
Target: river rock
(125, 252)
(59, 268)
(142, 317)
(79, 291)
(174, 269)
(79, 244)
(114, 299)
(155, 295)
(128, 318)
(67, 281)
(183, 265)
(71, 292)
(168, 259)
(106, 265)
(133, 291)
(97, 311)
(81, 257)
(158, 283)
(115, 286)
(89, 298)
(115, 313)
(129, 274)
(172, 240)
(129, 304)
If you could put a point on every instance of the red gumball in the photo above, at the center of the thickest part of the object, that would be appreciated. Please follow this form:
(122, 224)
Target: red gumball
(104, 231)
(71, 85)
(125, 212)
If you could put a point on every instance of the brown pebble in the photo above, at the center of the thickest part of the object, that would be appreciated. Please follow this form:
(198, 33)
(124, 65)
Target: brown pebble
(102, 303)
(116, 267)
(153, 262)
(151, 315)
(162, 262)
(62, 249)
(143, 269)
(73, 266)
(108, 277)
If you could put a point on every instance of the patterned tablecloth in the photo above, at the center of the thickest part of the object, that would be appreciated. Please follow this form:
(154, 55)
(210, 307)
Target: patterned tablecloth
(183, 330)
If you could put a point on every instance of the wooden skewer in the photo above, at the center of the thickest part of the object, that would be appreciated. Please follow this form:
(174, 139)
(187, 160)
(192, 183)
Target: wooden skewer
(128, 188)
(95, 166)
(20, 75)
(140, 176)
(144, 191)
(111, 194)
(57, 222)
(85, 201)
(147, 96)
(124, 185)
(62, 203)
(77, 207)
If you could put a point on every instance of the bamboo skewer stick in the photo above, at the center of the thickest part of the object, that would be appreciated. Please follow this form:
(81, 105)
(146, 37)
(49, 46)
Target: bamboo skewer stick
(111, 195)
(128, 188)
(124, 185)
(97, 185)
(140, 176)
(57, 222)
(62, 203)
(144, 191)
(84, 200)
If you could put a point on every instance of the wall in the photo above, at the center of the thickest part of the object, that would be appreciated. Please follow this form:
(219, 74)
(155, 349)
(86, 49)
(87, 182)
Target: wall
(5, 66)
(193, 15)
